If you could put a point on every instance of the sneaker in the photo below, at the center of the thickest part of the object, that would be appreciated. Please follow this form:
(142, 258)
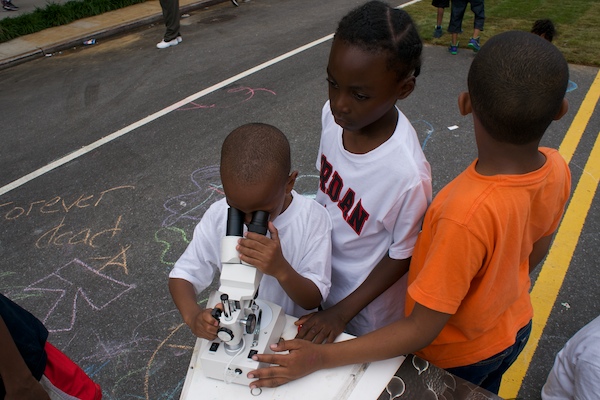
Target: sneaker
(453, 49)
(9, 6)
(164, 45)
(474, 44)
(438, 32)
(179, 39)
(235, 3)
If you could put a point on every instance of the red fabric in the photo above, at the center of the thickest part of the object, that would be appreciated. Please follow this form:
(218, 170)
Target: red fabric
(67, 376)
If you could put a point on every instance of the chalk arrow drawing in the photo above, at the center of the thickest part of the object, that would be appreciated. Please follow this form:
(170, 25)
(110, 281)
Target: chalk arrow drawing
(73, 281)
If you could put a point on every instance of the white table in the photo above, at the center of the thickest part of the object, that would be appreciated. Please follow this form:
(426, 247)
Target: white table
(353, 382)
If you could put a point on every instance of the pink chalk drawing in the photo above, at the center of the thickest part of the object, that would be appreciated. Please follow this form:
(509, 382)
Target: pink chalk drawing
(247, 91)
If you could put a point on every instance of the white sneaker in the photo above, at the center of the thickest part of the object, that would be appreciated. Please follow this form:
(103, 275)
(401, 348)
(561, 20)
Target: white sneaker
(164, 45)
(179, 39)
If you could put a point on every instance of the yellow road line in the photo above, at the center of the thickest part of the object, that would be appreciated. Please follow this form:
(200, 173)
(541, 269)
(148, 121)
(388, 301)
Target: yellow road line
(554, 269)
(573, 136)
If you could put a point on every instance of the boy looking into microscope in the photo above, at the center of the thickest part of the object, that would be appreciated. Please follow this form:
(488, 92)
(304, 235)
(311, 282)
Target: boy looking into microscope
(295, 259)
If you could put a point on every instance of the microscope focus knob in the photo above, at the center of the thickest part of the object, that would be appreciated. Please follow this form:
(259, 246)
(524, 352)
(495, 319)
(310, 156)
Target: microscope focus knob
(216, 313)
(225, 334)
(250, 323)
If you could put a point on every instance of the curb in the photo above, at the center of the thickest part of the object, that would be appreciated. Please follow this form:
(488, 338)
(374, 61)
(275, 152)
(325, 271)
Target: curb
(104, 33)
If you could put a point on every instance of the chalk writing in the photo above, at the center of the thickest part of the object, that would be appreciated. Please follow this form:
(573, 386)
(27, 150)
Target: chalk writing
(119, 260)
(59, 235)
(73, 281)
(57, 204)
(249, 92)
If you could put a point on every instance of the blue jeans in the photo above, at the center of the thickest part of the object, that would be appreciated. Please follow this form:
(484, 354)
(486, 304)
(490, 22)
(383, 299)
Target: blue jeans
(457, 12)
(488, 373)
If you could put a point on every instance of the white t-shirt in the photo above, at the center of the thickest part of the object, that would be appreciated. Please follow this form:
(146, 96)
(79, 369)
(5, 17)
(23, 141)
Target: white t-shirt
(305, 234)
(576, 370)
(376, 202)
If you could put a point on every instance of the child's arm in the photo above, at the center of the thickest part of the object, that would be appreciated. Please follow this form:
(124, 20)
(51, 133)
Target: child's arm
(402, 337)
(19, 383)
(266, 255)
(326, 325)
(540, 249)
(200, 321)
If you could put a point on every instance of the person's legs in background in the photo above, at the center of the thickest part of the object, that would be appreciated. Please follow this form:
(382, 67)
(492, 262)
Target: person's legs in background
(9, 6)
(170, 10)
(477, 7)
(457, 12)
(440, 5)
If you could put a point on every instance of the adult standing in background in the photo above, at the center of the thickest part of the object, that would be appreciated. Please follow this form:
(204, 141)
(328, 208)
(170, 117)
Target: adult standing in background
(170, 11)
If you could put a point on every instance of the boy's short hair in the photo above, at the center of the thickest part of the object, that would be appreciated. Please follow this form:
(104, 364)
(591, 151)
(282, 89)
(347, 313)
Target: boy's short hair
(517, 83)
(254, 152)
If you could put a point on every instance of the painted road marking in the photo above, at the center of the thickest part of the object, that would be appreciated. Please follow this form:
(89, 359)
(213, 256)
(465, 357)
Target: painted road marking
(109, 138)
(554, 269)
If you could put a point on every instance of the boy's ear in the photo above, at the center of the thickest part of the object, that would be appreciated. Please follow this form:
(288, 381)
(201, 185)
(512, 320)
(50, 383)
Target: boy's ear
(406, 87)
(291, 182)
(564, 107)
(464, 103)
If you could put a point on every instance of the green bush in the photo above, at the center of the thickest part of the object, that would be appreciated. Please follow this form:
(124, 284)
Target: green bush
(55, 14)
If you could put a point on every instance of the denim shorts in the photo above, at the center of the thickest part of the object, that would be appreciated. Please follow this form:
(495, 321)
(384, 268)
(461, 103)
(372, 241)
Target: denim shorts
(457, 12)
(488, 373)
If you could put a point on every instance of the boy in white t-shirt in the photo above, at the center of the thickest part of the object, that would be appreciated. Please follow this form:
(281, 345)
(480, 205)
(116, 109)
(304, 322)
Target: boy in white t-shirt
(295, 259)
(374, 178)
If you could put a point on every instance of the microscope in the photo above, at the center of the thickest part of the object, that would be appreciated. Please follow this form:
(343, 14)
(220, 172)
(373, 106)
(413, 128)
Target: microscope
(247, 325)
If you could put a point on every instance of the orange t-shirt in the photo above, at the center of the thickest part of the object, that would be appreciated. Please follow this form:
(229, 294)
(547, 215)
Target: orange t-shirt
(471, 259)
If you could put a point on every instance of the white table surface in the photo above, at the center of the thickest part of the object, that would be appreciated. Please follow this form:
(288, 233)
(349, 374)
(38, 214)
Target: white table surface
(352, 382)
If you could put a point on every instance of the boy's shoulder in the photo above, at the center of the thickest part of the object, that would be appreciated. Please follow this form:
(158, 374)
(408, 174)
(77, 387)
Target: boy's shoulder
(309, 206)
(470, 192)
(304, 211)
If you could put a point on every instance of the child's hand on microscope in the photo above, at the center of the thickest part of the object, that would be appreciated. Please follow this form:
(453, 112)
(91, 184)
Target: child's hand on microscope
(263, 252)
(205, 325)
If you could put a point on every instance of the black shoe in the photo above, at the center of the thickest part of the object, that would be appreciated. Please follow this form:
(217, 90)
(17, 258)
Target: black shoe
(235, 3)
(9, 6)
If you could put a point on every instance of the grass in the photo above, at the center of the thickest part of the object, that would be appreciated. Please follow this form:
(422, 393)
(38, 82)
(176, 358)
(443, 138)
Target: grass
(577, 23)
(55, 14)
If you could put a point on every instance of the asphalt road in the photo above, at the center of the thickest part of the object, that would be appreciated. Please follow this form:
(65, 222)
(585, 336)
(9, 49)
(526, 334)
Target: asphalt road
(87, 242)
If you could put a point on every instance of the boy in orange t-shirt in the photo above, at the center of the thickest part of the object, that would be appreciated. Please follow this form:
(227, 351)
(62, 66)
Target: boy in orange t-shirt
(468, 302)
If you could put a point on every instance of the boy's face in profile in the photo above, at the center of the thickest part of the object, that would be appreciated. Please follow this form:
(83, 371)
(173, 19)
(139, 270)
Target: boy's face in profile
(271, 194)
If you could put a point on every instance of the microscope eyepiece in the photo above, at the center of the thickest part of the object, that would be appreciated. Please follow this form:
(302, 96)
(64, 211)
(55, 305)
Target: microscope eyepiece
(235, 222)
(259, 222)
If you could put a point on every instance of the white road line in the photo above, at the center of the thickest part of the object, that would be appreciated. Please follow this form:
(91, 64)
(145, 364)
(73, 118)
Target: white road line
(86, 149)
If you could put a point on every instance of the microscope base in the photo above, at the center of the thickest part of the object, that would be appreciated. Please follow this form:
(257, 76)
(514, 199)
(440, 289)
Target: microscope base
(218, 364)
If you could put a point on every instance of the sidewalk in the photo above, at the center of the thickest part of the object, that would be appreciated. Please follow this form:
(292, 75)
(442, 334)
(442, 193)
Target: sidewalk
(51, 40)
